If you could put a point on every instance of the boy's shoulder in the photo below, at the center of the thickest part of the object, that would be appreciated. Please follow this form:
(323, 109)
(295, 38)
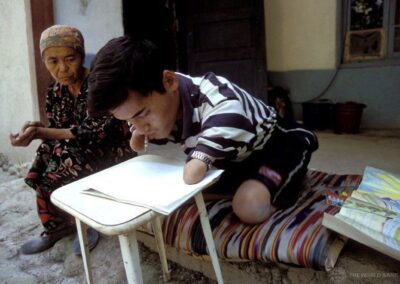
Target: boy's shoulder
(210, 87)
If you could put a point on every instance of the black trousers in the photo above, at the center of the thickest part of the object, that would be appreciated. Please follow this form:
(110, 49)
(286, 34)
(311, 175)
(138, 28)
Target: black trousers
(281, 165)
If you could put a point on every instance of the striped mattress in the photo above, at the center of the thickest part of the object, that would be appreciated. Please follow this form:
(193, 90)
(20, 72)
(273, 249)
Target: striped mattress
(293, 236)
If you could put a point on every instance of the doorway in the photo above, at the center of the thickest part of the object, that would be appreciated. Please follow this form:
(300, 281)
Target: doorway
(226, 37)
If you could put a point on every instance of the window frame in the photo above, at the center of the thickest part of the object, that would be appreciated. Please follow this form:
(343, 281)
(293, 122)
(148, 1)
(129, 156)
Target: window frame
(391, 29)
(388, 26)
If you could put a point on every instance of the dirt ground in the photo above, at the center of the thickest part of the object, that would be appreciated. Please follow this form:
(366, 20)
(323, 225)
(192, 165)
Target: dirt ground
(356, 264)
(19, 222)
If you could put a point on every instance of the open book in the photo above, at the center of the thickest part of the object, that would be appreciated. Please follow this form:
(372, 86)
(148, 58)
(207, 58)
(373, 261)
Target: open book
(149, 181)
(371, 215)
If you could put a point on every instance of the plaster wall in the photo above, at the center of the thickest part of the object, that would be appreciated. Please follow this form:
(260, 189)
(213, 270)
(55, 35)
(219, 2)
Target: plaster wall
(376, 87)
(18, 98)
(99, 21)
(301, 34)
(304, 48)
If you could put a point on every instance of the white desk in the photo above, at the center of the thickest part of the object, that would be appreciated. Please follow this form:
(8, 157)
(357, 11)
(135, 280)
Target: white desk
(122, 220)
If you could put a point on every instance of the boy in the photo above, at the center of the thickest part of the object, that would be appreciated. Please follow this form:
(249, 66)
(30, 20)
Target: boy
(217, 123)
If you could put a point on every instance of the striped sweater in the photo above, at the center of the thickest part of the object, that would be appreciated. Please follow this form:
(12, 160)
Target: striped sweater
(221, 119)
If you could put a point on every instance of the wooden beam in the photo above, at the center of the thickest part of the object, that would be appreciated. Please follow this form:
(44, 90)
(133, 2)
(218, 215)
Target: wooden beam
(42, 18)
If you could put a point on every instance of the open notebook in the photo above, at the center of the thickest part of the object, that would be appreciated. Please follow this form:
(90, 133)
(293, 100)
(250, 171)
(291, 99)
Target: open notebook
(150, 181)
(371, 215)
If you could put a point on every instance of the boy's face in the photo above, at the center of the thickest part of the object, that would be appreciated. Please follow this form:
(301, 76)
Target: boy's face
(154, 115)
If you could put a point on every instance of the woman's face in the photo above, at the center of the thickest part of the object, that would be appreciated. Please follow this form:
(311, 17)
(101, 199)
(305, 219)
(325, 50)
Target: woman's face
(64, 64)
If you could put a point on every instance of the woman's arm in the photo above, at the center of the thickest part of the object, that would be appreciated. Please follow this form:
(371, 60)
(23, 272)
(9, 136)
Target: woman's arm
(54, 133)
(30, 123)
(30, 133)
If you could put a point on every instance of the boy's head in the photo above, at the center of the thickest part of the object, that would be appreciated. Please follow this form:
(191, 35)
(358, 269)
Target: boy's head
(121, 65)
(128, 79)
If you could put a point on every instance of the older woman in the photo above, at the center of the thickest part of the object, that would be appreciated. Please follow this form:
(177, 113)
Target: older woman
(73, 144)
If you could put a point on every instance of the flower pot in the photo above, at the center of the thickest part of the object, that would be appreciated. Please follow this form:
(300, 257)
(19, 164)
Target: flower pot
(348, 117)
(318, 114)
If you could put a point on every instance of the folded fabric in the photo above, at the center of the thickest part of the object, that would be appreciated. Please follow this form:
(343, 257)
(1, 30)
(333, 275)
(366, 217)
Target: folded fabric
(294, 236)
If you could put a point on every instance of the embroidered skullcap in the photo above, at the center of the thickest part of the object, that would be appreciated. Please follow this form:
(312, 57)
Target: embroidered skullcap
(61, 35)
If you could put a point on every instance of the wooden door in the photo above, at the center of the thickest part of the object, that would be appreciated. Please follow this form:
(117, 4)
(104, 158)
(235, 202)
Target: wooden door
(42, 18)
(226, 37)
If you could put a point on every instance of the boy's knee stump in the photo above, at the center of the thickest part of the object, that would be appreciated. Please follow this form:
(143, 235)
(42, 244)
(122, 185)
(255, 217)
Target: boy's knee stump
(251, 203)
(253, 213)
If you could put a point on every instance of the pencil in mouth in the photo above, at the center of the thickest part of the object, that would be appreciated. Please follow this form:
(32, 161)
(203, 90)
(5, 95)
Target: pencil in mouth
(146, 143)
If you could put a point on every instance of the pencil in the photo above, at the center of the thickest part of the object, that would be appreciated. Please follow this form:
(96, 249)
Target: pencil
(146, 143)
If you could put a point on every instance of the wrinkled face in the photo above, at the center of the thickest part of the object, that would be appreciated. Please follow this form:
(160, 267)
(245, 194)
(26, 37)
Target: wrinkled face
(64, 64)
(154, 115)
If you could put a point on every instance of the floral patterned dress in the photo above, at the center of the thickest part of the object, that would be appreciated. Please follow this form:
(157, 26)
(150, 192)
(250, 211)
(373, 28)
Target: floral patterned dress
(98, 143)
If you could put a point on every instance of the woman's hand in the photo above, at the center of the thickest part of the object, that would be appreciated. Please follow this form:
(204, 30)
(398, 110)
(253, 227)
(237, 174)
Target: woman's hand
(137, 141)
(30, 123)
(29, 133)
(25, 136)
(194, 171)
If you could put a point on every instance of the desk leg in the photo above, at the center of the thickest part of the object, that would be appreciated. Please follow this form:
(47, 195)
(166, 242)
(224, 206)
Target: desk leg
(205, 223)
(82, 229)
(156, 224)
(130, 256)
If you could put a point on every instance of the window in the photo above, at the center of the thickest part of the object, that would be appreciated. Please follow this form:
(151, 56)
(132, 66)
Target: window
(372, 30)
(396, 27)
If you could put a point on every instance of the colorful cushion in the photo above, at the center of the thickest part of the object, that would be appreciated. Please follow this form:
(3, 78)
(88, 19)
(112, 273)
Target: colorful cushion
(293, 236)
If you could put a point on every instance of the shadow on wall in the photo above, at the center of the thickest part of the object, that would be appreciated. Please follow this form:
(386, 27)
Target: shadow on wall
(88, 59)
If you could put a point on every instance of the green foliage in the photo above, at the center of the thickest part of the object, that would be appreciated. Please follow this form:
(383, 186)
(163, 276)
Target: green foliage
(366, 14)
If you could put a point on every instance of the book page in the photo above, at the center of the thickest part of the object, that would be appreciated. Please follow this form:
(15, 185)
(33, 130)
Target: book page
(372, 208)
(382, 229)
(150, 181)
(373, 200)
(362, 235)
(380, 183)
(368, 203)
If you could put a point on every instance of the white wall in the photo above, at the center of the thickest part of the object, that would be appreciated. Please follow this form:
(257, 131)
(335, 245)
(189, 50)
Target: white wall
(18, 98)
(98, 20)
(301, 34)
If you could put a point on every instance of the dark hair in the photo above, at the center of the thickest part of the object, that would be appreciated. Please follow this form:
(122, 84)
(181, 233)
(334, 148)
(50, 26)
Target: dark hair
(121, 65)
(279, 98)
